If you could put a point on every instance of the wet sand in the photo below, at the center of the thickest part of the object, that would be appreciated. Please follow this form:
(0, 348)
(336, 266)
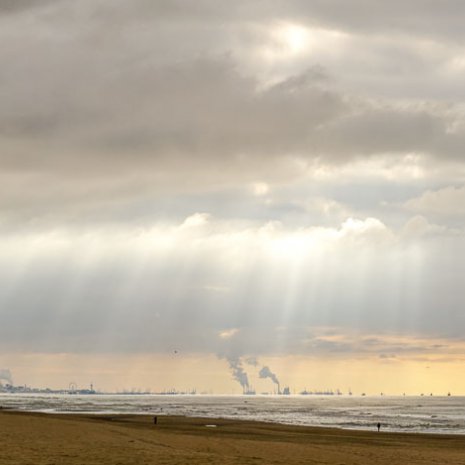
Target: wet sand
(27, 438)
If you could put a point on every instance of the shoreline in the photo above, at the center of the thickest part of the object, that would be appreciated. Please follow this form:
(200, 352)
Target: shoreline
(82, 438)
(118, 417)
(431, 415)
(95, 414)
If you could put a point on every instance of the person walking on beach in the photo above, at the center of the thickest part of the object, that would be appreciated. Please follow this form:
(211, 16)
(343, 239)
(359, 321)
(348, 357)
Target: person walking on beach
(379, 426)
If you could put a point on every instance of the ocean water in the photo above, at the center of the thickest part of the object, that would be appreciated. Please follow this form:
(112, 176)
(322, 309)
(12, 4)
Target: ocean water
(404, 414)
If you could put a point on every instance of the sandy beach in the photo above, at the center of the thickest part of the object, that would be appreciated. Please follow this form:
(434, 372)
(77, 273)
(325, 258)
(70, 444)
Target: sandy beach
(28, 438)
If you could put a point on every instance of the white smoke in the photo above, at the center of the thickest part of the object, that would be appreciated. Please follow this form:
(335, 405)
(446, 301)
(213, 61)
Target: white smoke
(5, 375)
(238, 372)
(265, 372)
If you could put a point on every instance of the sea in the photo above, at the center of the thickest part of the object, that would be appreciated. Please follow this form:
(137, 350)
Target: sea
(421, 414)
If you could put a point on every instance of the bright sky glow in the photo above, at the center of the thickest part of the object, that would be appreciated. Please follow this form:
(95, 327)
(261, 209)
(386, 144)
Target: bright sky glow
(294, 37)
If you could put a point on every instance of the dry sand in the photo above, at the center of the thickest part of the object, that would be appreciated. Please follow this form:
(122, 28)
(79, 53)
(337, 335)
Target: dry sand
(38, 439)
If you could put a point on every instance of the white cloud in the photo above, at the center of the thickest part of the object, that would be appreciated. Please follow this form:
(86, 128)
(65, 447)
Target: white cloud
(419, 226)
(195, 220)
(260, 188)
(228, 333)
(448, 201)
(367, 231)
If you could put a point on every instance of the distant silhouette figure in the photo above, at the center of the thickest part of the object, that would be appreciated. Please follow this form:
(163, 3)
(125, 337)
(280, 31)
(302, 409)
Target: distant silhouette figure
(379, 426)
(155, 420)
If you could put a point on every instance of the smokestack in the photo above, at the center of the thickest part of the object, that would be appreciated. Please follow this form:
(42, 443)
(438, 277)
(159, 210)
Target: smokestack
(238, 373)
(5, 375)
(265, 372)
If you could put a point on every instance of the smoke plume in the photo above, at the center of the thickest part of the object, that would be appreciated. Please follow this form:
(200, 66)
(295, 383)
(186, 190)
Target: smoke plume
(265, 372)
(5, 375)
(238, 372)
(252, 361)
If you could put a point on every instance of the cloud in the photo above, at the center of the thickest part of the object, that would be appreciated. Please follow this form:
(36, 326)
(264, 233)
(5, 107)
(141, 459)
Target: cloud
(167, 102)
(377, 131)
(419, 226)
(228, 333)
(229, 179)
(448, 201)
(431, 20)
(13, 6)
(236, 136)
(388, 356)
(195, 220)
(147, 290)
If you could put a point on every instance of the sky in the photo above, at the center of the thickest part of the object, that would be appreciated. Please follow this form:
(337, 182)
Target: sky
(199, 194)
